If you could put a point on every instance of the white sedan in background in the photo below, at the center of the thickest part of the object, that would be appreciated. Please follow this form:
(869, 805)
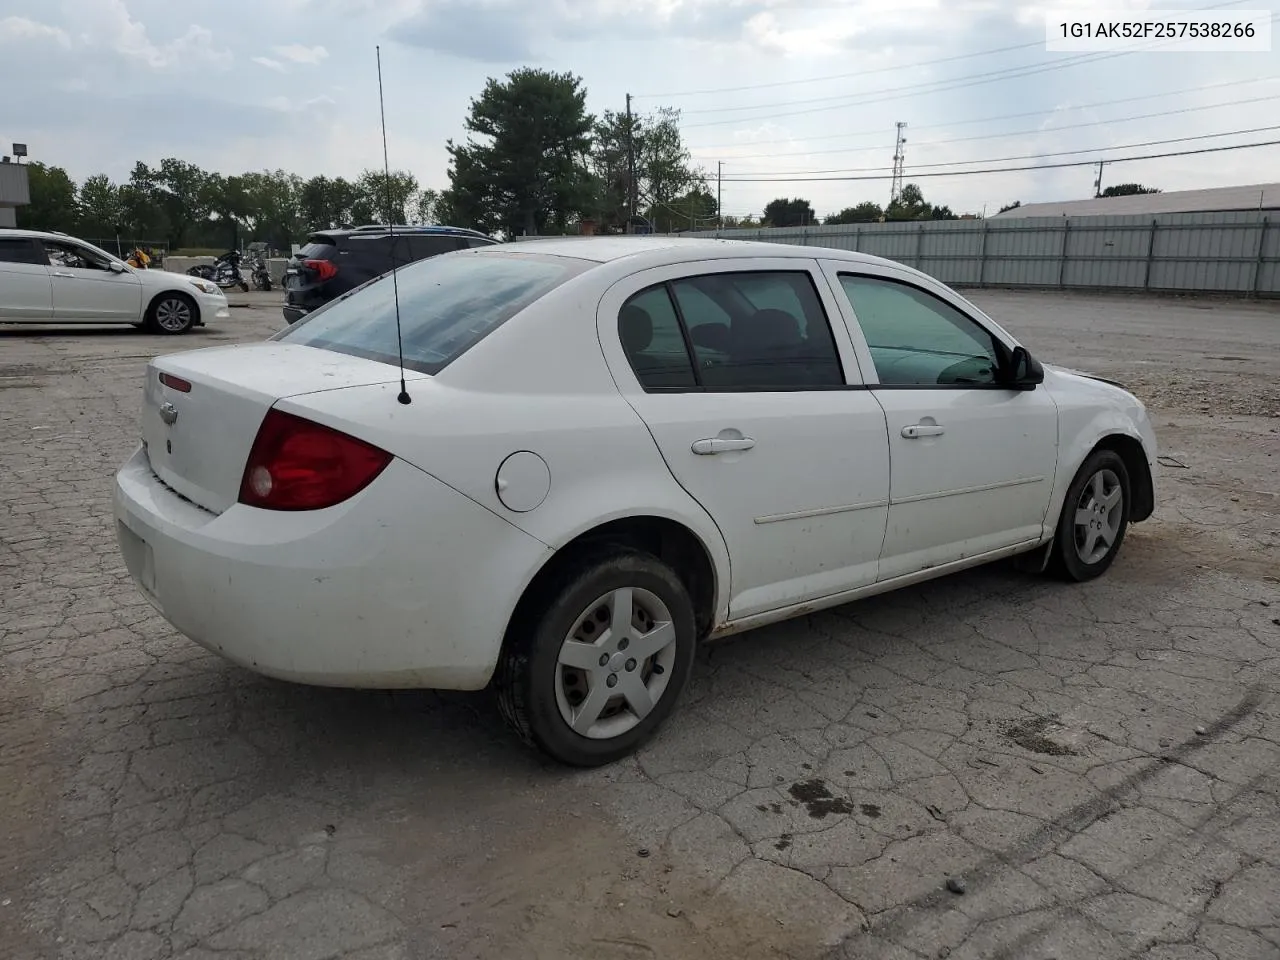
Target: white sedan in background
(53, 278)
(604, 451)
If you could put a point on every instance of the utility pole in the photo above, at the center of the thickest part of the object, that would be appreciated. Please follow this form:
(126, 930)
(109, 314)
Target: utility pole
(720, 209)
(631, 172)
(1097, 184)
(899, 163)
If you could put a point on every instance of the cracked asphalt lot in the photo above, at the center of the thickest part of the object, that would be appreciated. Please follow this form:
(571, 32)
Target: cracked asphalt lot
(1096, 767)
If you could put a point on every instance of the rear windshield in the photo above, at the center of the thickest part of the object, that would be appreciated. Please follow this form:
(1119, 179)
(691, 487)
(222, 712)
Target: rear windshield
(317, 247)
(447, 304)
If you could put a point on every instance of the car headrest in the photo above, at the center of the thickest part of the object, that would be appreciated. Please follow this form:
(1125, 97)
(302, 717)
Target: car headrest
(635, 327)
(765, 329)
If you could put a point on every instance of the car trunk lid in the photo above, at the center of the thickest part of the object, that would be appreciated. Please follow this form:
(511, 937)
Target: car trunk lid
(202, 409)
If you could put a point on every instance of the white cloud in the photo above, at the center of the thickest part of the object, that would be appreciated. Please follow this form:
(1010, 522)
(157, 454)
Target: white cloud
(269, 63)
(17, 29)
(296, 53)
(108, 23)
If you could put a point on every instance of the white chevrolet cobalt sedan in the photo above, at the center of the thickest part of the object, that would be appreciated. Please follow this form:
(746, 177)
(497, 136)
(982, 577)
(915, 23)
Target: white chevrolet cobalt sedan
(605, 451)
(54, 278)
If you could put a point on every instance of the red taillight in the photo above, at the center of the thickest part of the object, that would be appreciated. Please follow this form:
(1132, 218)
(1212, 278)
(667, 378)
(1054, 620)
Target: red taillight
(324, 269)
(169, 380)
(296, 464)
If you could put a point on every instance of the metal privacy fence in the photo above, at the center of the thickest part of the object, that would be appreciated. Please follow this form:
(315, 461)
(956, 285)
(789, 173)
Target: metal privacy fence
(1229, 253)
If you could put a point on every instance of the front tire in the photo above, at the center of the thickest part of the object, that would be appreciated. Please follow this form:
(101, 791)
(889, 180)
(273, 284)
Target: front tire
(592, 673)
(171, 314)
(1095, 516)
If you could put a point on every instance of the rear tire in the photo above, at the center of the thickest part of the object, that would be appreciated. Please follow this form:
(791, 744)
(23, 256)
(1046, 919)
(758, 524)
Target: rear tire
(1095, 516)
(171, 314)
(592, 673)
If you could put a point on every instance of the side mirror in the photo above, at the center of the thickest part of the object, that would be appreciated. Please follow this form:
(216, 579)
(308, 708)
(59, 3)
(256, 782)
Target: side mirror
(115, 267)
(1024, 370)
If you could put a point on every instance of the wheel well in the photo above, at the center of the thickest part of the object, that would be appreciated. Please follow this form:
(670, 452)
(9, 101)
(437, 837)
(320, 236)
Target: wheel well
(195, 307)
(667, 540)
(1135, 461)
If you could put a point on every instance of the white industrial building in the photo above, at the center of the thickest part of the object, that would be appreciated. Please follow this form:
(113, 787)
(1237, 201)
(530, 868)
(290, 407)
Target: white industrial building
(1258, 196)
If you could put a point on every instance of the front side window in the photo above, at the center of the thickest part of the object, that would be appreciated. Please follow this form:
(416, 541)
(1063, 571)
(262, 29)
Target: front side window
(73, 256)
(447, 305)
(916, 339)
(747, 331)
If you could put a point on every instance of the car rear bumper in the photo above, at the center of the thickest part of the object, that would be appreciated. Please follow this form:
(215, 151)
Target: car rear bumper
(408, 584)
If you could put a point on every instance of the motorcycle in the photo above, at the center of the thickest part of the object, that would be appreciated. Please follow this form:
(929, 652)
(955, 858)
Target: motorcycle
(224, 271)
(259, 273)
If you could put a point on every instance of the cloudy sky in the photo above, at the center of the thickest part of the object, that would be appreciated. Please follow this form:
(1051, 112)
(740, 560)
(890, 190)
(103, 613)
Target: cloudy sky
(776, 90)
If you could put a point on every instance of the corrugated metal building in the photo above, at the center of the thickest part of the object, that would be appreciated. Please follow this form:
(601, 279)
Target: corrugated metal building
(15, 191)
(1258, 196)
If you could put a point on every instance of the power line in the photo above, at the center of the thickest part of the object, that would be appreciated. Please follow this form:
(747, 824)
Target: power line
(875, 70)
(1027, 156)
(841, 76)
(1022, 133)
(1006, 116)
(931, 87)
(1039, 166)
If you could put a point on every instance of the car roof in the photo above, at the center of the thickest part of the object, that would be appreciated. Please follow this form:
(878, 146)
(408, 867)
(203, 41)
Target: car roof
(34, 234)
(381, 229)
(676, 249)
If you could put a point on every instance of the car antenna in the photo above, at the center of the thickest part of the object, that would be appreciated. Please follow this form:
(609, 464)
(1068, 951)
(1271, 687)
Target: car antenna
(391, 231)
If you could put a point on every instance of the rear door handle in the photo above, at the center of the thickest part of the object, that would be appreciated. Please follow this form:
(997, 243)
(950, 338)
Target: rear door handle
(917, 430)
(714, 445)
(60, 273)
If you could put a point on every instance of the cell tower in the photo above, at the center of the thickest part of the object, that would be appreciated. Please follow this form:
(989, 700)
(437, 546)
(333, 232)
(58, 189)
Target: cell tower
(899, 162)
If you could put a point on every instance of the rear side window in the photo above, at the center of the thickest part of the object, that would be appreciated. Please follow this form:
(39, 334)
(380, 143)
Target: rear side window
(732, 331)
(421, 247)
(21, 250)
(447, 305)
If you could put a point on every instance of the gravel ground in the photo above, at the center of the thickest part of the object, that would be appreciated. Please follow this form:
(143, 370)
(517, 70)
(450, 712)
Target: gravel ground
(1096, 767)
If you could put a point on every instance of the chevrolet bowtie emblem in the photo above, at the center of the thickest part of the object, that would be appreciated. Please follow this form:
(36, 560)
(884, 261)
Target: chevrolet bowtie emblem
(168, 413)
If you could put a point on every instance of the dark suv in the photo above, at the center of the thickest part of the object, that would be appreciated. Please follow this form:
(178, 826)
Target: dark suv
(334, 262)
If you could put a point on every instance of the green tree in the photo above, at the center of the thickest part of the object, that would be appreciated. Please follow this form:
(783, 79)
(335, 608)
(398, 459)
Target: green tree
(865, 212)
(1127, 190)
(665, 170)
(529, 169)
(181, 190)
(1012, 206)
(910, 205)
(424, 207)
(274, 199)
(326, 203)
(101, 211)
(228, 202)
(789, 213)
(696, 210)
(374, 190)
(53, 199)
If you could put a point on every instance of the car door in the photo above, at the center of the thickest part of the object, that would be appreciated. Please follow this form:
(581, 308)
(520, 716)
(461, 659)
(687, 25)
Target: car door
(755, 401)
(26, 290)
(972, 461)
(86, 289)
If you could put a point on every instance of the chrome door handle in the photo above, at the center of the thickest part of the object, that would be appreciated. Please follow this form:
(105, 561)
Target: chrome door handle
(714, 445)
(60, 273)
(917, 430)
